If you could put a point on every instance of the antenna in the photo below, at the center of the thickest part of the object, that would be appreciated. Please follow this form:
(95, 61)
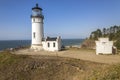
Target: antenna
(36, 4)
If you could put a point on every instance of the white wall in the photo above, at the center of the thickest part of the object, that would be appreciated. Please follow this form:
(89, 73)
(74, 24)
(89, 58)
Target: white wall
(37, 28)
(104, 46)
(36, 48)
(51, 47)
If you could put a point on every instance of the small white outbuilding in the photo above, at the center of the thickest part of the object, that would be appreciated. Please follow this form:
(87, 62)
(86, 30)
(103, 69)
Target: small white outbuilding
(104, 46)
(52, 44)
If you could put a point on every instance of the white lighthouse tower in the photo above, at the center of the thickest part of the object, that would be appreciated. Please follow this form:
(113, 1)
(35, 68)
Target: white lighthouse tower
(38, 40)
(37, 28)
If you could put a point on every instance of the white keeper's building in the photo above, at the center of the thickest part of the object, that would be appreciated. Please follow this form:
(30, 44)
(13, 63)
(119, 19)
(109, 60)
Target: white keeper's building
(104, 46)
(38, 41)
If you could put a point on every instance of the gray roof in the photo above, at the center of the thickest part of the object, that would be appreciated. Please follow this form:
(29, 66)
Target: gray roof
(51, 39)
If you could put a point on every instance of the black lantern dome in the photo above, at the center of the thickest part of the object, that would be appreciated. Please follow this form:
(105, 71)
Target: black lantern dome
(36, 7)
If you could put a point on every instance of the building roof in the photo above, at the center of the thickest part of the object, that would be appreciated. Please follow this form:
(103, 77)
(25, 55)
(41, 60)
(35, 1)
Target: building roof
(36, 7)
(51, 39)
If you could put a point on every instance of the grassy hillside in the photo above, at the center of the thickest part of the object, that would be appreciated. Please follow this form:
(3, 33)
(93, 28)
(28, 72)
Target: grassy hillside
(21, 67)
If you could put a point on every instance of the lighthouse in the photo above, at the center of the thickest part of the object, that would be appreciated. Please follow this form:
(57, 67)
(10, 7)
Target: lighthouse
(38, 41)
(37, 28)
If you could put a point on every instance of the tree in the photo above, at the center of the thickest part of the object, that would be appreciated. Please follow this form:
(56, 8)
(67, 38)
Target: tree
(108, 31)
(117, 43)
(115, 28)
(104, 32)
(99, 33)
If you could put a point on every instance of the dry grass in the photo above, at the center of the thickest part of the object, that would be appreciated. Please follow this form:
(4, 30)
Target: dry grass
(77, 53)
(47, 67)
(23, 67)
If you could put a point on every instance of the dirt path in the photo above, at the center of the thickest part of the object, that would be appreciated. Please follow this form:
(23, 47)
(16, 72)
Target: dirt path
(78, 54)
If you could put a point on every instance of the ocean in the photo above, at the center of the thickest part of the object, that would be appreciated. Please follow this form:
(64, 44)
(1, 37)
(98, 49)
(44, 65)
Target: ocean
(5, 44)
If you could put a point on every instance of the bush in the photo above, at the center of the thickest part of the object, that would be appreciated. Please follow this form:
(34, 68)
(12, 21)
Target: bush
(117, 44)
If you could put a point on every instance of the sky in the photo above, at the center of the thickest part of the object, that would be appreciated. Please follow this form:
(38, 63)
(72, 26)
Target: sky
(65, 18)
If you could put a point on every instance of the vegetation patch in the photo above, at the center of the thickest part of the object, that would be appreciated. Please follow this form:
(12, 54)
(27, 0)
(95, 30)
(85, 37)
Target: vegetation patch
(109, 73)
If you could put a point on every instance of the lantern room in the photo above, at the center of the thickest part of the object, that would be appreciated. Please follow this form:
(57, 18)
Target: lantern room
(37, 12)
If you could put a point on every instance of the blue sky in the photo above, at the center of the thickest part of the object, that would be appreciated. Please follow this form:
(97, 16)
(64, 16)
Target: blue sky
(67, 18)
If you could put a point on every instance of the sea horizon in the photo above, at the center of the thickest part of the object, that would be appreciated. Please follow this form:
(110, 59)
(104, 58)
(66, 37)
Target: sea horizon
(5, 44)
(30, 39)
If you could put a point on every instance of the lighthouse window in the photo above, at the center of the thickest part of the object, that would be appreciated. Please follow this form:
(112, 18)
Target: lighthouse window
(53, 44)
(48, 44)
(38, 19)
(33, 19)
(34, 34)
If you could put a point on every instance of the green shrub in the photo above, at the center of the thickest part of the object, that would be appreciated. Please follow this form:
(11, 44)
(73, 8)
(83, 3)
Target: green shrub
(117, 44)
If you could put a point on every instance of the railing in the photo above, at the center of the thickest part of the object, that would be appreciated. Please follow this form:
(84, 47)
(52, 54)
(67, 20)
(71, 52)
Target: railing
(37, 15)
